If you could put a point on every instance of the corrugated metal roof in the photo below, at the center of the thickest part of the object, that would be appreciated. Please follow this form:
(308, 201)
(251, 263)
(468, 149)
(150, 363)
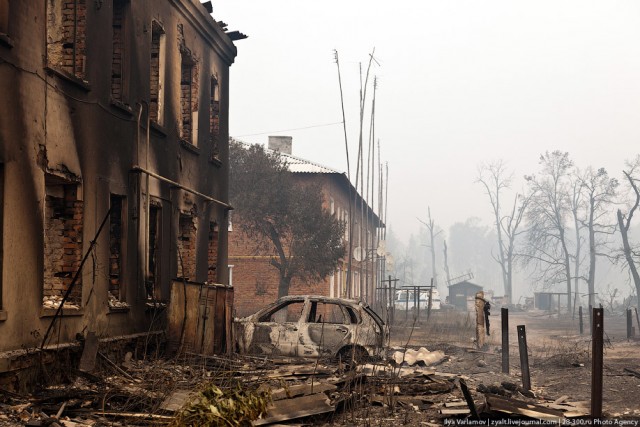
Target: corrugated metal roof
(298, 165)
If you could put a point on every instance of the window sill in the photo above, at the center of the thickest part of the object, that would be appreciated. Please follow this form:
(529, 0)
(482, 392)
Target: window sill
(158, 129)
(66, 312)
(215, 161)
(113, 310)
(189, 147)
(82, 84)
(5, 40)
(155, 305)
(121, 106)
(3, 315)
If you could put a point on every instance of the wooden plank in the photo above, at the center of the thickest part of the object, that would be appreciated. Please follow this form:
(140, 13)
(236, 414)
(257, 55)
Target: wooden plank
(468, 398)
(291, 409)
(454, 404)
(560, 399)
(511, 406)
(302, 390)
(455, 411)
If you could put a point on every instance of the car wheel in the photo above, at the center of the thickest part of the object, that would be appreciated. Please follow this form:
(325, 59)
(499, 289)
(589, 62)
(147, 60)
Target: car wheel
(352, 356)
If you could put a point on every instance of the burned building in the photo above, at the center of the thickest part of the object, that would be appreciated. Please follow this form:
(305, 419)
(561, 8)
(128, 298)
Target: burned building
(113, 113)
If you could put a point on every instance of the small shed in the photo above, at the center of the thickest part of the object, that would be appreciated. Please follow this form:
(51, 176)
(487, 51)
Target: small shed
(461, 291)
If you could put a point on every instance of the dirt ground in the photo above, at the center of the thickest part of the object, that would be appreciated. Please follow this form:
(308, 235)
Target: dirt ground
(374, 394)
(559, 358)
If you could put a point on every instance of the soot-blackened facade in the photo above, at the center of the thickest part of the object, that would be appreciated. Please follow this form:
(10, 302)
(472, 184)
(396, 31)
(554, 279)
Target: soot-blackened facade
(114, 112)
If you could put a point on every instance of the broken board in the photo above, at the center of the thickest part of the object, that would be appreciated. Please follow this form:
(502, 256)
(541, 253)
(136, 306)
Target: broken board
(291, 409)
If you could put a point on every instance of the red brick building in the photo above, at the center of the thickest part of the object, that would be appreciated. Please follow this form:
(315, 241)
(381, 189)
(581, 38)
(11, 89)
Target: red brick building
(255, 280)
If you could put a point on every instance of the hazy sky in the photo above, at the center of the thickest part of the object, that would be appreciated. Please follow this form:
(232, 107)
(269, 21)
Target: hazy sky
(460, 82)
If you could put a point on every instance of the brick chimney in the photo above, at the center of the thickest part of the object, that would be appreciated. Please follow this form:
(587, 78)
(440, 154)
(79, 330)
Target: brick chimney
(281, 144)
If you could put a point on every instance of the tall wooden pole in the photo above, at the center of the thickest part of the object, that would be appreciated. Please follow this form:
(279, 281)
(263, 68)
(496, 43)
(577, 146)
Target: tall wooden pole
(505, 339)
(597, 341)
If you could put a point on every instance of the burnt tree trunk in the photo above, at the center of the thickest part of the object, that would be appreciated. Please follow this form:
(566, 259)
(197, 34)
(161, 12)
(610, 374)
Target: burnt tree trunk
(626, 248)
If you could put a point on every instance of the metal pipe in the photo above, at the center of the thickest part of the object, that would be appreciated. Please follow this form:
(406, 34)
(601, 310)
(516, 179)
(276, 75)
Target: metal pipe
(182, 187)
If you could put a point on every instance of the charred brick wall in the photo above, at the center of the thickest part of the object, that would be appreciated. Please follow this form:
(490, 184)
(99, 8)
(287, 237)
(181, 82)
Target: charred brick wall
(214, 117)
(186, 246)
(188, 96)
(66, 29)
(115, 246)
(62, 242)
(154, 77)
(117, 65)
(212, 253)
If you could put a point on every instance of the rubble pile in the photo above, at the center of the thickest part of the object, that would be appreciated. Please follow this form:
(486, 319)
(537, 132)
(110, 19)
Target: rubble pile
(54, 301)
(114, 302)
(213, 390)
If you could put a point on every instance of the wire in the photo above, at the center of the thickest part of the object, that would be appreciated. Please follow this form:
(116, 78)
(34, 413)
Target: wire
(62, 92)
(287, 130)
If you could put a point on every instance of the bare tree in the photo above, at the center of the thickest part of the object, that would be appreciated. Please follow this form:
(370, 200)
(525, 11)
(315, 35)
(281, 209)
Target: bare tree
(547, 244)
(577, 209)
(495, 179)
(433, 233)
(446, 263)
(599, 191)
(624, 221)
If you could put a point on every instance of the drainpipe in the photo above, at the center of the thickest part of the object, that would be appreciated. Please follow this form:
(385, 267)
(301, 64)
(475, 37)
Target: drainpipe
(147, 204)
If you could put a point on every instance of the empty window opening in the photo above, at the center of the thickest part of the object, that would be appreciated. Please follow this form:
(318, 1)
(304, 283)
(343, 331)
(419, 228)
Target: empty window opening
(214, 118)
(66, 27)
(116, 240)
(119, 51)
(212, 254)
(4, 16)
(188, 98)
(1, 228)
(322, 312)
(288, 313)
(187, 247)
(153, 278)
(156, 77)
(63, 224)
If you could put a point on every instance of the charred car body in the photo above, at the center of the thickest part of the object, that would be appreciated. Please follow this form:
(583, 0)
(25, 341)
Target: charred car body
(312, 326)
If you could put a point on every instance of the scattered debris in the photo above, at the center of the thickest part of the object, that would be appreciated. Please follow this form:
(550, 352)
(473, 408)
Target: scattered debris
(114, 302)
(422, 355)
(54, 301)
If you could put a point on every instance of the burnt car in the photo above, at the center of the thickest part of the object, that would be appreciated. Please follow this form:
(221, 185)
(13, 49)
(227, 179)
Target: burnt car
(312, 326)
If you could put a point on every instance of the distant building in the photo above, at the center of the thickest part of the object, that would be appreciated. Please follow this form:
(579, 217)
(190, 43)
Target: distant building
(255, 280)
(461, 292)
(111, 111)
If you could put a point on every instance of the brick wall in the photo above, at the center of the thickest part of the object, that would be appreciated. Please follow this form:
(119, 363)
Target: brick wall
(154, 77)
(255, 280)
(212, 254)
(188, 96)
(118, 50)
(62, 242)
(186, 79)
(66, 28)
(186, 246)
(115, 246)
(214, 117)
